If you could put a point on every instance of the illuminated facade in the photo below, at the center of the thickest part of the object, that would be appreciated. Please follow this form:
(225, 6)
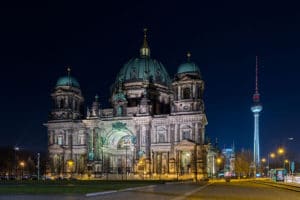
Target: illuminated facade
(156, 126)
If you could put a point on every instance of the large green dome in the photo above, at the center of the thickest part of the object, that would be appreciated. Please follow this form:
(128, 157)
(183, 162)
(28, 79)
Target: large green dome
(144, 69)
(67, 81)
(188, 67)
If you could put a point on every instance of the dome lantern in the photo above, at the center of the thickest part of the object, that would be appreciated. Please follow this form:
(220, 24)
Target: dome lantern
(145, 50)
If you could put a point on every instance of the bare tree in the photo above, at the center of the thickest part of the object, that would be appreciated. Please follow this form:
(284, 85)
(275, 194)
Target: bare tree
(242, 163)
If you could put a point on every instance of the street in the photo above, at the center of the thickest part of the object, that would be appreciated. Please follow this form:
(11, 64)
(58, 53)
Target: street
(180, 191)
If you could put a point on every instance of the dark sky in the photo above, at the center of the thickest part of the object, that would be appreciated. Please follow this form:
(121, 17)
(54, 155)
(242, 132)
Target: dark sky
(38, 39)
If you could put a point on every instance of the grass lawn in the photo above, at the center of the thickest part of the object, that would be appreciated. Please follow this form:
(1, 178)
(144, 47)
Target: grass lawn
(67, 187)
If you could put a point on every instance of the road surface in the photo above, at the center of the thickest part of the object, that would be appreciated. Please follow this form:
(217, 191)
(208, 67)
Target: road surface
(189, 191)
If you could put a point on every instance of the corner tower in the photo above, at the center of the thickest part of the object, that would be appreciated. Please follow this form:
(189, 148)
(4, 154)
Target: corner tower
(256, 108)
(67, 99)
(188, 88)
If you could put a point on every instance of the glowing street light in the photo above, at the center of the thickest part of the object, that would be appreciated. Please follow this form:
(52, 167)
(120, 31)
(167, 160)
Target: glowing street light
(272, 155)
(22, 165)
(280, 151)
(286, 161)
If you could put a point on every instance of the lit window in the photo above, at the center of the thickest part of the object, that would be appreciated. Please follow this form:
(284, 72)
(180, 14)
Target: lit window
(81, 139)
(60, 140)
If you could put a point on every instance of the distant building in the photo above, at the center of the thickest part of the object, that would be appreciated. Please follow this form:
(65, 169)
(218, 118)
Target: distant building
(155, 125)
(229, 161)
(213, 154)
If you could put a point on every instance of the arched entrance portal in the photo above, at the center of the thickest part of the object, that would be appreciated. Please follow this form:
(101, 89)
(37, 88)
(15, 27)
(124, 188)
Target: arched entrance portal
(186, 158)
(185, 162)
(119, 150)
(125, 151)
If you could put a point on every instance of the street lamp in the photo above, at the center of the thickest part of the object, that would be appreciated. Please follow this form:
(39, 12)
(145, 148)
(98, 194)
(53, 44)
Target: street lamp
(263, 160)
(22, 165)
(280, 151)
(16, 149)
(286, 161)
(272, 155)
(219, 161)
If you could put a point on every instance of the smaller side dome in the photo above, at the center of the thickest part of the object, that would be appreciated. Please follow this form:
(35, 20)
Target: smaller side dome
(188, 67)
(67, 81)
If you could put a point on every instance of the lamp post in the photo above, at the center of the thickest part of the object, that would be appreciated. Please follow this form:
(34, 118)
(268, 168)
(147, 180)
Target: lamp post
(38, 166)
(16, 149)
(280, 152)
(263, 160)
(22, 165)
(270, 155)
(219, 161)
(286, 161)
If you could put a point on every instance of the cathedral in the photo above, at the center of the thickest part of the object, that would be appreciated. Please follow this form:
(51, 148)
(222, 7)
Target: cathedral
(155, 125)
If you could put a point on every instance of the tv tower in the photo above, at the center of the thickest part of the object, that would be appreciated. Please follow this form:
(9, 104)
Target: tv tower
(256, 108)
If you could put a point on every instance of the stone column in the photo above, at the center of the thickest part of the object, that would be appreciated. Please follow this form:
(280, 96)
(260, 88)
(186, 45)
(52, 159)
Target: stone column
(168, 159)
(154, 161)
(178, 132)
(148, 141)
(197, 134)
(193, 132)
(193, 90)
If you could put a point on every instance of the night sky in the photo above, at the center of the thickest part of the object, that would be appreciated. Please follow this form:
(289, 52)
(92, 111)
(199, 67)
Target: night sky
(38, 40)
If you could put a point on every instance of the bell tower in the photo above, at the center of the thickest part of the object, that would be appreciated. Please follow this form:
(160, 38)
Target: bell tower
(188, 89)
(67, 99)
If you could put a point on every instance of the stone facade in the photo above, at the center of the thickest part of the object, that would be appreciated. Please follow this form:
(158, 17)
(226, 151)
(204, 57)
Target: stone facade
(155, 126)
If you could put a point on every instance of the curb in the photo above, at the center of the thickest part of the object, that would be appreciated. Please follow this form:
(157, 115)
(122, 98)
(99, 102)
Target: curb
(114, 191)
(100, 193)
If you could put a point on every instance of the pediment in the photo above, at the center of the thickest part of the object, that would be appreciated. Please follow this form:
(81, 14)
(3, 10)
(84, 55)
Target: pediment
(185, 144)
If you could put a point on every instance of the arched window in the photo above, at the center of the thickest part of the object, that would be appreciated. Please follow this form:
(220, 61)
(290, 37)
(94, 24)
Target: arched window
(186, 93)
(81, 139)
(60, 140)
(161, 134)
(161, 137)
(62, 103)
(186, 135)
(199, 92)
